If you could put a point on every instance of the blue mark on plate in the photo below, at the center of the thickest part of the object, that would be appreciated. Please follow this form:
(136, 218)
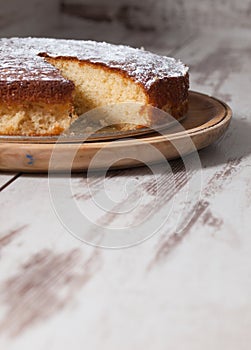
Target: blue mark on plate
(30, 159)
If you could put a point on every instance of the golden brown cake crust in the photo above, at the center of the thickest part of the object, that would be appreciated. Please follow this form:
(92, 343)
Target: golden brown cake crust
(169, 90)
(36, 91)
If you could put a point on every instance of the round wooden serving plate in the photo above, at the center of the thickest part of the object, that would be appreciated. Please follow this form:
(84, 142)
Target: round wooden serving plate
(206, 121)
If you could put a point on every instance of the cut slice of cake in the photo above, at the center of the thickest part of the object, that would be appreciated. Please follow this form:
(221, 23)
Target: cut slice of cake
(45, 84)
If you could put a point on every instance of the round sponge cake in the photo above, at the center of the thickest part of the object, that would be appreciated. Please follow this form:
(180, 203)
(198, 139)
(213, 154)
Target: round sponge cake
(45, 84)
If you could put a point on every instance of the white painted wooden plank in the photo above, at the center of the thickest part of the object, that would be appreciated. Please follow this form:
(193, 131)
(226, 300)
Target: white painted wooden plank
(206, 274)
(33, 19)
(192, 289)
(6, 178)
(185, 15)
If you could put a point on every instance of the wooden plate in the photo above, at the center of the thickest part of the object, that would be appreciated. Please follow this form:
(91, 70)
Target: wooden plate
(206, 121)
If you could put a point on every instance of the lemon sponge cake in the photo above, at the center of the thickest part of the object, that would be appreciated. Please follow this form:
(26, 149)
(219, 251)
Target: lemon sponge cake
(45, 84)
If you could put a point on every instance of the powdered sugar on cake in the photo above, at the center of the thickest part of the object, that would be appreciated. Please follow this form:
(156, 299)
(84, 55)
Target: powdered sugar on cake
(19, 59)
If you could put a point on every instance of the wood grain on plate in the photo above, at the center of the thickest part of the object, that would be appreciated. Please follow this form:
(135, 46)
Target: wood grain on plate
(206, 121)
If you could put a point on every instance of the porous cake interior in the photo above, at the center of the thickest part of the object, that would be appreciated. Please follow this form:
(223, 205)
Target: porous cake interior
(35, 118)
(97, 85)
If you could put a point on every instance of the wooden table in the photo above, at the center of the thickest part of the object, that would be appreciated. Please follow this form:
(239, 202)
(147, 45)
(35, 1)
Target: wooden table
(174, 291)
